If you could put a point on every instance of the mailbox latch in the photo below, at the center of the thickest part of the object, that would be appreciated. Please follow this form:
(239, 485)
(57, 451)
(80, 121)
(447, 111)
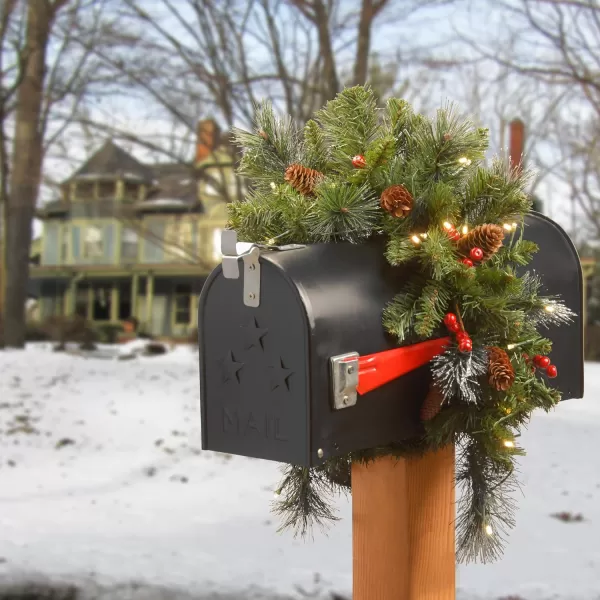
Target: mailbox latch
(344, 379)
(232, 251)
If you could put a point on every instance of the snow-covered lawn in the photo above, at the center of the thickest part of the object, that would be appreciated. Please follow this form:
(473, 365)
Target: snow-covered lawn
(102, 480)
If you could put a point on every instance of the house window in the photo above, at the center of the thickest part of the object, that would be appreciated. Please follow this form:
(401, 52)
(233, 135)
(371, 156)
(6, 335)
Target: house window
(93, 246)
(64, 248)
(131, 191)
(106, 189)
(179, 238)
(129, 244)
(183, 304)
(85, 190)
(216, 245)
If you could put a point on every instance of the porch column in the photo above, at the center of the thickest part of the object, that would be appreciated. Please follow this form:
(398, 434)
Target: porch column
(70, 297)
(149, 298)
(135, 284)
(90, 302)
(114, 301)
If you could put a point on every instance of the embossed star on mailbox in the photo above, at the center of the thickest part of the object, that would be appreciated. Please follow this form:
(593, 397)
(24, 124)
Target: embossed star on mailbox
(253, 335)
(230, 368)
(279, 375)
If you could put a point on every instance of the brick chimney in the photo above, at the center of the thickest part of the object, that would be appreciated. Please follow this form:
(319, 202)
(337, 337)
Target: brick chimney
(208, 137)
(516, 143)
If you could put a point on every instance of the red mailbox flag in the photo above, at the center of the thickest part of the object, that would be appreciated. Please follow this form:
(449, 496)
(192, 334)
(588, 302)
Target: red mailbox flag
(375, 370)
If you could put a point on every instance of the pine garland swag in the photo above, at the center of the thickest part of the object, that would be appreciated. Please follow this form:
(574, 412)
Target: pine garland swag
(305, 189)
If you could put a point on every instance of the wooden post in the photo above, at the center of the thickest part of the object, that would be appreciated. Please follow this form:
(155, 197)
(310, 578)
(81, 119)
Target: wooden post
(403, 528)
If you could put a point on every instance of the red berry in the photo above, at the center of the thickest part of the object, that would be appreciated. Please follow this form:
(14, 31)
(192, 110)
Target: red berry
(476, 253)
(450, 318)
(551, 371)
(465, 345)
(467, 261)
(359, 161)
(454, 235)
(460, 335)
(453, 327)
(537, 358)
(543, 362)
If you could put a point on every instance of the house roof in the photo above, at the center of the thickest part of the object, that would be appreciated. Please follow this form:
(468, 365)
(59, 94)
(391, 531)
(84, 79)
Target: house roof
(112, 161)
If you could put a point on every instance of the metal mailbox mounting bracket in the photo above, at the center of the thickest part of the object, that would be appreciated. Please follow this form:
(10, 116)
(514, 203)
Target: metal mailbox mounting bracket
(232, 251)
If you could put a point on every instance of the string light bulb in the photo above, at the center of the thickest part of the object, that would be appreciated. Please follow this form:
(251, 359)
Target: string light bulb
(509, 444)
(448, 226)
(271, 242)
(507, 226)
(273, 185)
(415, 239)
(463, 160)
(465, 229)
(549, 308)
(423, 235)
(489, 530)
(511, 346)
(514, 225)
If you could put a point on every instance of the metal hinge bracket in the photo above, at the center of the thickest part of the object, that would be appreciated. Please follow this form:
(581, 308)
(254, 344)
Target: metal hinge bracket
(344, 379)
(232, 251)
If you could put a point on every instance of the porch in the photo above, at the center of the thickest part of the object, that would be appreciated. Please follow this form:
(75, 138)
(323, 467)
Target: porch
(164, 305)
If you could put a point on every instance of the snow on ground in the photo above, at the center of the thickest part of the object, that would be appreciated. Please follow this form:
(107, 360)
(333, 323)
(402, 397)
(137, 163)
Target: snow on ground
(102, 480)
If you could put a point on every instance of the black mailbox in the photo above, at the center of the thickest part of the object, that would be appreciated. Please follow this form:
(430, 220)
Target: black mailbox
(284, 334)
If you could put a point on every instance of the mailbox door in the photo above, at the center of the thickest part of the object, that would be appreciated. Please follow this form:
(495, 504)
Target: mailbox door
(345, 288)
(559, 267)
(254, 368)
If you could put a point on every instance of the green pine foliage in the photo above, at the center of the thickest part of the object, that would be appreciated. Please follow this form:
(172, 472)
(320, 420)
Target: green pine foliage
(440, 162)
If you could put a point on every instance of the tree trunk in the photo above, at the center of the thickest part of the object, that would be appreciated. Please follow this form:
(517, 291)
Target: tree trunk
(363, 43)
(26, 171)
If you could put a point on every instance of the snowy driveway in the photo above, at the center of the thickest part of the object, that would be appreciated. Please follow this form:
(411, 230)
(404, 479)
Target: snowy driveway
(102, 479)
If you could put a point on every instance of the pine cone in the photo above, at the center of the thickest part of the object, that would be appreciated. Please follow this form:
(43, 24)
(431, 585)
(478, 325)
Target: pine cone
(432, 404)
(397, 200)
(487, 237)
(500, 369)
(303, 179)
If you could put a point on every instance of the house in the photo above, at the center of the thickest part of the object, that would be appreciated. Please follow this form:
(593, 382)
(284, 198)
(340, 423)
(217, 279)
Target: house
(128, 239)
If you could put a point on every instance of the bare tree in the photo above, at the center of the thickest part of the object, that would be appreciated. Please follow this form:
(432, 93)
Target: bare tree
(192, 58)
(553, 47)
(46, 90)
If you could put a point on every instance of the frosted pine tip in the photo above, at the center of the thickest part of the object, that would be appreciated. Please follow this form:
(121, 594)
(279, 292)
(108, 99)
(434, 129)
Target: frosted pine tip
(489, 530)
(511, 346)
(415, 240)
(276, 494)
(273, 185)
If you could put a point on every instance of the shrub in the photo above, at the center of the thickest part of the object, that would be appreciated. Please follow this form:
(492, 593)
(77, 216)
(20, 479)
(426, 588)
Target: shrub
(35, 332)
(154, 349)
(108, 333)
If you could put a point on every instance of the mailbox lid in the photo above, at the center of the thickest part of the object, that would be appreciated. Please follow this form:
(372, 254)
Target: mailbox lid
(254, 369)
(558, 265)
